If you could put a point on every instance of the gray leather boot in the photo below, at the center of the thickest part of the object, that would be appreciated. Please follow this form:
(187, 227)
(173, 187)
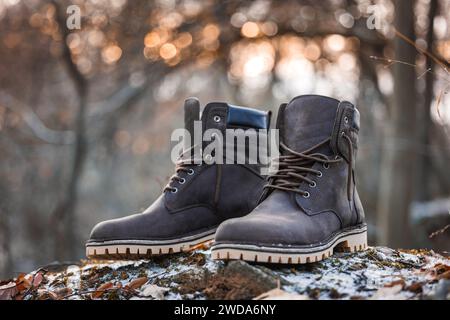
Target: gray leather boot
(310, 206)
(196, 200)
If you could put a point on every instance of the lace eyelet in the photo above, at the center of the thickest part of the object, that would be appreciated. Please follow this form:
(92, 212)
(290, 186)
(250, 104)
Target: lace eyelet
(326, 166)
(208, 158)
(346, 119)
(216, 119)
(342, 133)
(320, 174)
(190, 172)
(306, 195)
(174, 190)
(313, 184)
(182, 181)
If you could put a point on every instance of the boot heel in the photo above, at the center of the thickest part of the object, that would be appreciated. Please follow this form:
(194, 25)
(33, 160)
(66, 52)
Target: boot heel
(352, 243)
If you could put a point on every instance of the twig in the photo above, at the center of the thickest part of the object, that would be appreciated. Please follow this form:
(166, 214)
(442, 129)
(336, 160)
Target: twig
(392, 61)
(429, 70)
(439, 232)
(439, 99)
(422, 51)
(424, 73)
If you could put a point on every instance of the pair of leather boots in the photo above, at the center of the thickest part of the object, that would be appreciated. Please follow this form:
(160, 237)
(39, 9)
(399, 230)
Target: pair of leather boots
(303, 212)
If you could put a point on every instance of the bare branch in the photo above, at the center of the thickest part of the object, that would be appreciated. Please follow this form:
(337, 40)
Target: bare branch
(35, 123)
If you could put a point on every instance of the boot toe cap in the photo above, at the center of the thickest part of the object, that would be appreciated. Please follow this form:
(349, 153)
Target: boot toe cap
(272, 230)
(133, 227)
(253, 230)
(106, 230)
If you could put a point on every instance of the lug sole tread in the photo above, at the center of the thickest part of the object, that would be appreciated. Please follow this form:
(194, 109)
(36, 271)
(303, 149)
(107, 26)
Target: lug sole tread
(132, 252)
(349, 243)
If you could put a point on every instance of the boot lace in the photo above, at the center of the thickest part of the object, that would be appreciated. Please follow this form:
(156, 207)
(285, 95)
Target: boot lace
(294, 168)
(183, 165)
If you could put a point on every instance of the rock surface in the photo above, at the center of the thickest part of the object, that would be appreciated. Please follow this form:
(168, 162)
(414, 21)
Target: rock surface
(377, 273)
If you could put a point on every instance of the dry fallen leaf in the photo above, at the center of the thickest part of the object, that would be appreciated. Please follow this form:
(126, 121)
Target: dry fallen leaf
(37, 280)
(389, 293)
(399, 282)
(43, 294)
(278, 294)
(415, 287)
(101, 290)
(439, 271)
(201, 246)
(22, 283)
(154, 291)
(63, 292)
(137, 283)
(8, 291)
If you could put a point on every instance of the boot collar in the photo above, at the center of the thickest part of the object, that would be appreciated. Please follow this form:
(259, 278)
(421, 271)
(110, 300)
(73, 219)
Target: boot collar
(222, 115)
(306, 121)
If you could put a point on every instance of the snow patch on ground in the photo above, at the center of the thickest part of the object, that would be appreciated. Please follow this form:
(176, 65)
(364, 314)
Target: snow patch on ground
(378, 272)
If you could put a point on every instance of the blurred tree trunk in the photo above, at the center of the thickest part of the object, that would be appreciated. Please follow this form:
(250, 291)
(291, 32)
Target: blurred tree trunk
(63, 216)
(423, 174)
(371, 135)
(438, 185)
(400, 157)
(5, 244)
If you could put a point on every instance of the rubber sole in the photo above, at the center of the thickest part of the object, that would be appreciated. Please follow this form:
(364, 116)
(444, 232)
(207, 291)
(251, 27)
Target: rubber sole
(138, 249)
(348, 241)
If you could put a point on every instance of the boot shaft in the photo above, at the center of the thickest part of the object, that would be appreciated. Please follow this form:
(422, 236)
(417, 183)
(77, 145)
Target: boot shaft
(325, 129)
(308, 120)
(230, 189)
(240, 131)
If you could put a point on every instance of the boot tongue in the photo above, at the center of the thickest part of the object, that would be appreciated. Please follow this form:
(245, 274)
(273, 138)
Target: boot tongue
(307, 121)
